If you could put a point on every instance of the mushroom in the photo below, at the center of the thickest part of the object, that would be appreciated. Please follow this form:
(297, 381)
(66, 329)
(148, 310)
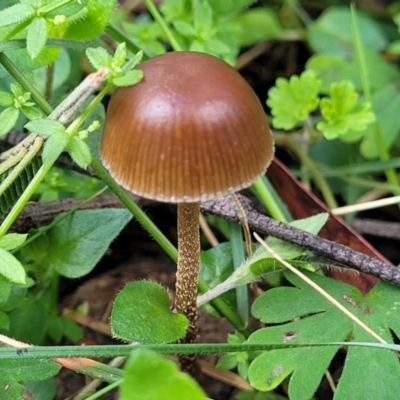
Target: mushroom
(191, 130)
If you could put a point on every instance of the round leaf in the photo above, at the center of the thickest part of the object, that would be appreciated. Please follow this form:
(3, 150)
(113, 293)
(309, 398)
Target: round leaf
(142, 314)
(148, 376)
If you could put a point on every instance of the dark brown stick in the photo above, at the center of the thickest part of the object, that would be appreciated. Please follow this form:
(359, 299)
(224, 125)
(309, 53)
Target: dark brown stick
(227, 209)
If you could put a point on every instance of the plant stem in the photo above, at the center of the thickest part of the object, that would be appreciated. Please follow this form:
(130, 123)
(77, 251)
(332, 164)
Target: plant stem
(160, 20)
(136, 211)
(187, 274)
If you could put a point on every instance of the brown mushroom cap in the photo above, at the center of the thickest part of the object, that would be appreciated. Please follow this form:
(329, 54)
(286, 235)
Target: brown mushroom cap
(192, 130)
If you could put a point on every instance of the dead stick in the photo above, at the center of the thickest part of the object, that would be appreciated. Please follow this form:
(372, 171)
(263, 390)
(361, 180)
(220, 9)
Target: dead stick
(227, 209)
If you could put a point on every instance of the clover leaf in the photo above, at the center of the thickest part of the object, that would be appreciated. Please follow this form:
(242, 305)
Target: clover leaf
(343, 113)
(292, 100)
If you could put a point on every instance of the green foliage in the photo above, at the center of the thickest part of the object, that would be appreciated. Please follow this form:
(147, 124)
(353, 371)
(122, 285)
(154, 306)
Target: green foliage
(78, 241)
(291, 101)
(18, 101)
(142, 313)
(343, 114)
(302, 315)
(148, 376)
(13, 373)
(120, 72)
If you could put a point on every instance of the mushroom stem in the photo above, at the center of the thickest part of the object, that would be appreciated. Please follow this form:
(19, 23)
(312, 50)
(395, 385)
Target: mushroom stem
(187, 277)
(188, 265)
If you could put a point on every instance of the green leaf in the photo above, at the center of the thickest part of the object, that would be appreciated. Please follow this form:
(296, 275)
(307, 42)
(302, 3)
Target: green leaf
(79, 241)
(332, 32)
(120, 55)
(203, 19)
(12, 240)
(36, 37)
(16, 14)
(227, 7)
(6, 99)
(98, 57)
(257, 25)
(342, 112)
(27, 370)
(45, 126)
(98, 15)
(8, 119)
(130, 78)
(332, 69)
(149, 376)
(292, 101)
(54, 146)
(184, 28)
(4, 321)
(31, 112)
(79, 152)
(311, 315)
(10, 268)
(142, 313)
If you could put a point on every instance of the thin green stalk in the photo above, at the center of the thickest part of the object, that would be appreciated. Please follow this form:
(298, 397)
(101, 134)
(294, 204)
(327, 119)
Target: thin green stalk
(360, 57)
(160, 20)
(20, 78)
(271, 200)
(110, 351)
(120, 37)
(238, 256)
(317, 176)
(26, 195)
(105, 390)
(136, 211)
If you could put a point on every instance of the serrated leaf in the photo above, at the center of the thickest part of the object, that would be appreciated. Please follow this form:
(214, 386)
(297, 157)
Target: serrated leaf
(342, 112)
(133, 62)
(54, 146)
(120, 55)
(80, 240)
(10, 268)
(312, 314)
(12, 240)
(98, 57)
(291, 101)
(142, 313)
(96, 18)
(130, 78)
(79, 152)
(31, 113)
(45, 126)
(36, 37)
(149, 376)
(16, 13)
(8, 119)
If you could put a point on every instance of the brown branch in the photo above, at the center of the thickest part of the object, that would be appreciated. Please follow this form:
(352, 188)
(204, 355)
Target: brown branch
(227, 209)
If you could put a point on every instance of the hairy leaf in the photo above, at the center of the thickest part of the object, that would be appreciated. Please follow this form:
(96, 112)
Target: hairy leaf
(15, 14)
(36, 37)
(79, 241)
(149, 376)
(142, 313)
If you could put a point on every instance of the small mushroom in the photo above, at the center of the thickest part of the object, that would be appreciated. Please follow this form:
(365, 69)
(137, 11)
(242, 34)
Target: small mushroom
(191, 130)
